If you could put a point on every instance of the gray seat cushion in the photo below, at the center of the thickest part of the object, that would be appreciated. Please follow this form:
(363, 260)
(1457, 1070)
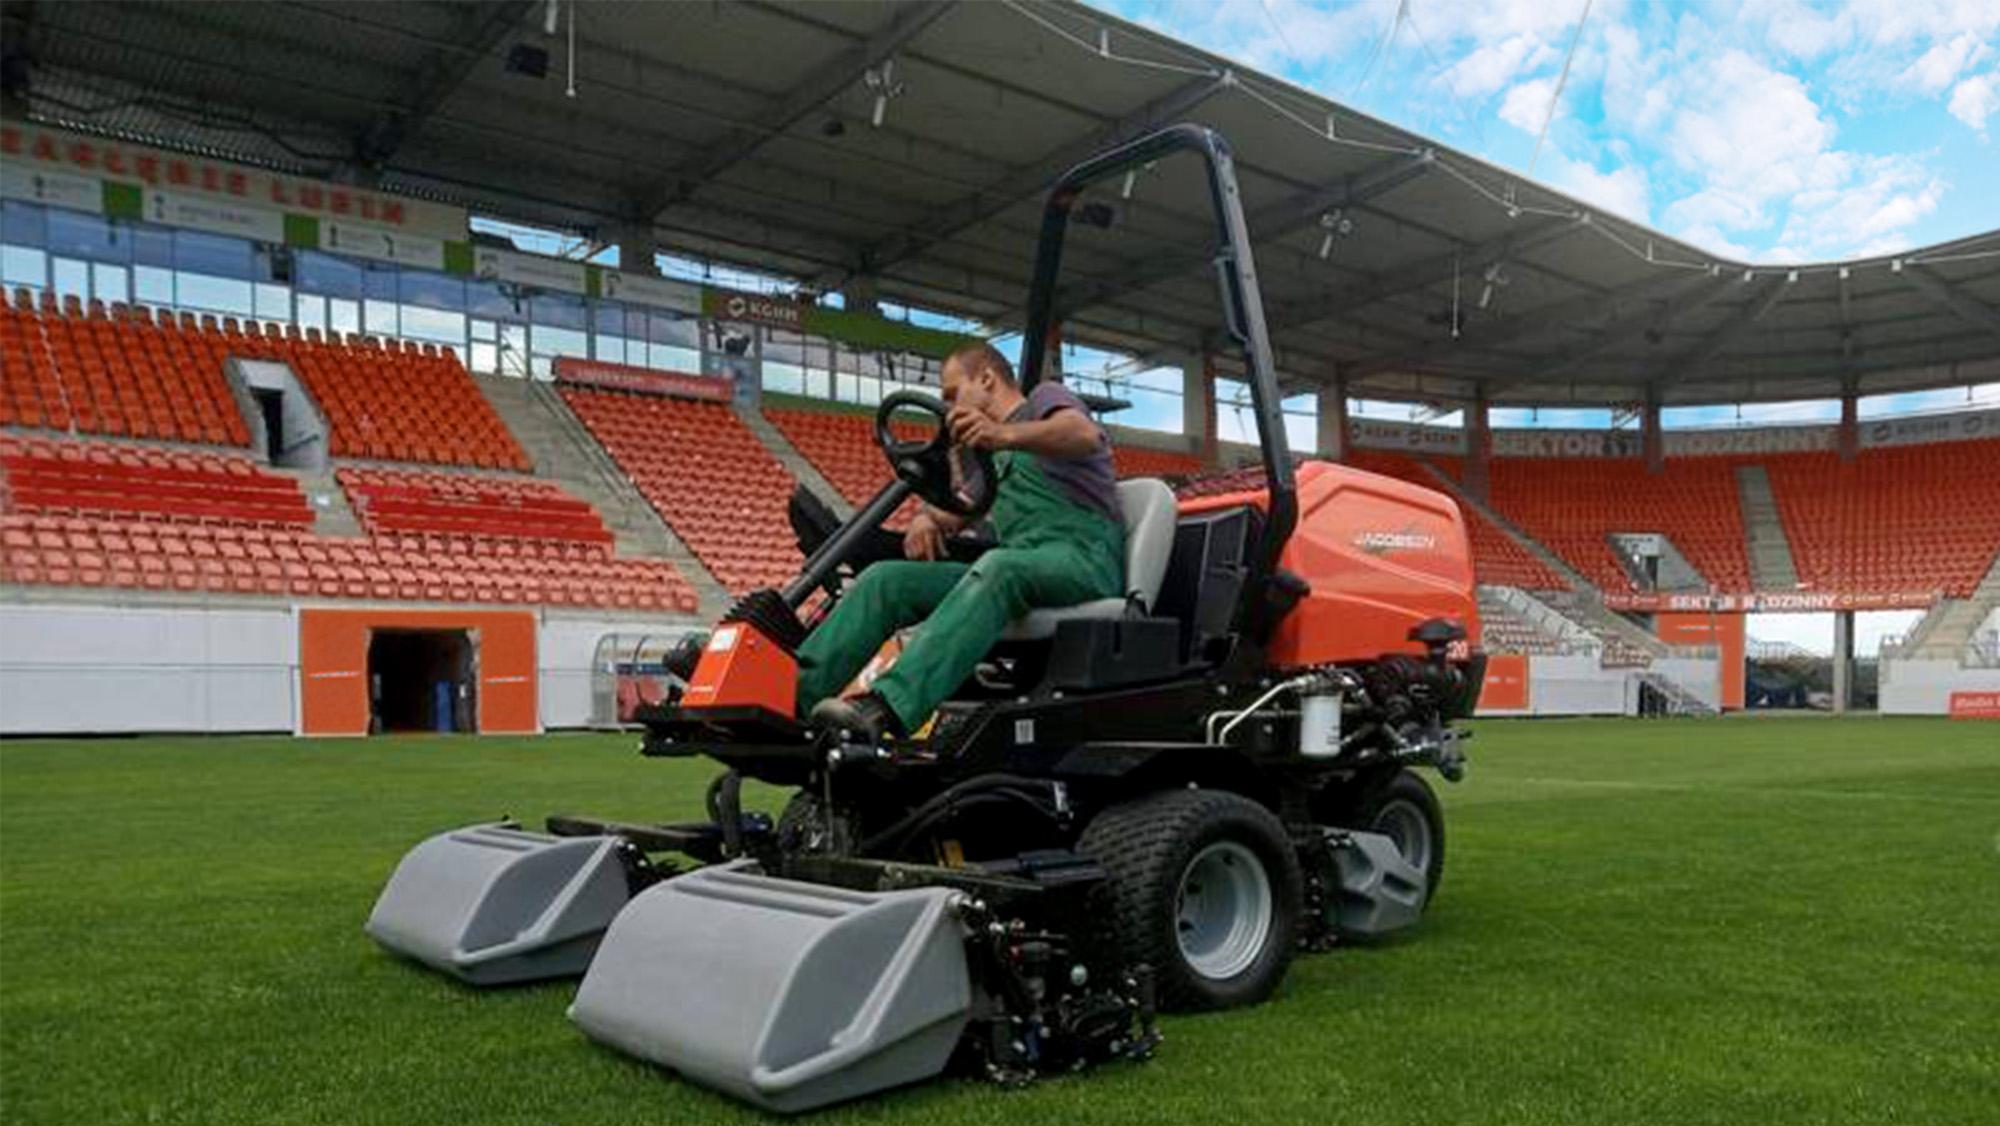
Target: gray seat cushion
(1150, 516)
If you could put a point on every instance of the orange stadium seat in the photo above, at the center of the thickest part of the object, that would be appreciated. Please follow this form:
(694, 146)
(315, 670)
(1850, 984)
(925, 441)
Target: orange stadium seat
(1903, 519)
(711, 479)
(1572, 505)
(100, 514)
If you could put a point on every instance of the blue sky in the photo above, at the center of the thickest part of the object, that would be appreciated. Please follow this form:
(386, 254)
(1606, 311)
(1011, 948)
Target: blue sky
(1766, 130)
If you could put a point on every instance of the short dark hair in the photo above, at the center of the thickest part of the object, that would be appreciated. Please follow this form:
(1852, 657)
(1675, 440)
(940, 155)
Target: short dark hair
(978, 355)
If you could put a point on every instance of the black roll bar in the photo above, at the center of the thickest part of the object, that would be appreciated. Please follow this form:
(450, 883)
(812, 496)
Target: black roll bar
(1242, 312)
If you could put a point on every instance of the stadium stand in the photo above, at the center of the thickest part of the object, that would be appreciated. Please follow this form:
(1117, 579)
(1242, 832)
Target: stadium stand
(465, 504)
(1140, 461)
(841, 445)
(1572, 506)
(396, 402)
(716, 485)
(114, 372)
(1901, 518)
(78, 513)
(129, 372)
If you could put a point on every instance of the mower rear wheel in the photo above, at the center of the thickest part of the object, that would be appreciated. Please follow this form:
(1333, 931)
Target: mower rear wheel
(1208, 893)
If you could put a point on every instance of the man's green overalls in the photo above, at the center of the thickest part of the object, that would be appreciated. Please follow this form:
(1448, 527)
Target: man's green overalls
(1053, 552)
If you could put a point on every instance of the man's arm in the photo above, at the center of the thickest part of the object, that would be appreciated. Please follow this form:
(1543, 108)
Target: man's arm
(1067, 434)
(927, 532)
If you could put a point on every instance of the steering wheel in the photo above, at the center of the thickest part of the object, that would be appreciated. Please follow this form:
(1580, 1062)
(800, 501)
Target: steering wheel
(958, 480)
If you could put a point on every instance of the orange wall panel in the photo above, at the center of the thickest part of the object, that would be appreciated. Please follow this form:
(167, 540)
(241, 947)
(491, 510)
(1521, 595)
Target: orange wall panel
(1506, 688)
(333, 666)
(1724, 631)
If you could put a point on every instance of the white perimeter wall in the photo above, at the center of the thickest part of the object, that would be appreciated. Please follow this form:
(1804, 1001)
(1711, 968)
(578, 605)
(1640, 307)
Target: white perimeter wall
(566, 658)
(1925, 687)
(123, 669)
(71, 669)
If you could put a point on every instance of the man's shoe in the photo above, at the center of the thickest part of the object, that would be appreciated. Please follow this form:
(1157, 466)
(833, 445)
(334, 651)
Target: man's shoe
(866, 717)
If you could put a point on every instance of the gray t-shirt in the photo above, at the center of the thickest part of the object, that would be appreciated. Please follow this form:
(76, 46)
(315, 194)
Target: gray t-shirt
(1090, 480)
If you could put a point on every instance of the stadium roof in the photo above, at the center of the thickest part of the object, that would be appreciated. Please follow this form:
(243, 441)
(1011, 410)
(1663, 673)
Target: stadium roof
(746, 132)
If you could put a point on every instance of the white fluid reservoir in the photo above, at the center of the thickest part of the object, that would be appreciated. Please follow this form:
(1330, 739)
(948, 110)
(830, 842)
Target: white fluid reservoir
(1319, 725)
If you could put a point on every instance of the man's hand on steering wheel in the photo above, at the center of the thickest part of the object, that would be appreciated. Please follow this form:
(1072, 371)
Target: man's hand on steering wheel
(977, 429)
(955, 480)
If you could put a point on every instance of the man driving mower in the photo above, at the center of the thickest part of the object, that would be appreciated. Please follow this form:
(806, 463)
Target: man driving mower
(1060, 541)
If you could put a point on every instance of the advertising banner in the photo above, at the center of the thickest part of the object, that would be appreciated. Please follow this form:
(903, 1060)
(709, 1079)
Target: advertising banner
(494, 264)
(660, 293)
(1380, 434)
(753, 308)
(1975, 705)
(1567, 443)
(623, 377)
(53, 165)
(1767, 602)
(1961, 427)
(1759, 440)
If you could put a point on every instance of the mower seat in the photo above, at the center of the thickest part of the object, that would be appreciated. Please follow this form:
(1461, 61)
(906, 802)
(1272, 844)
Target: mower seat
(1151, 514)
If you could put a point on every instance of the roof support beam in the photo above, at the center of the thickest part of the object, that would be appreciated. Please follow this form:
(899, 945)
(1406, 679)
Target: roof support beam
(1623, 331)
(1418, 275)
(1728, 332)
(481, 28)
(977, 207)
(1967, 309)
(808, 94)
(1278, 221)
(1531, 322)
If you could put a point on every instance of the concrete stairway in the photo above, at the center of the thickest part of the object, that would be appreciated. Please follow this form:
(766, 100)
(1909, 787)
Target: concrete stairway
(332, 515)
(795, 463)
(1771, 564)
(1945, 632)
(1679, 701)
(1528, 543)
(564, 451)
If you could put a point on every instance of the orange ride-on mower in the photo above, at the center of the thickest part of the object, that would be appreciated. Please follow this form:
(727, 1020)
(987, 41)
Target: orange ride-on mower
(1147, 802)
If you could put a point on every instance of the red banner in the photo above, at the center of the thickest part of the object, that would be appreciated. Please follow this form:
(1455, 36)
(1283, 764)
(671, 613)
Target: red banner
(646, 381)
(1506, 687)
(1975, 705)
(1772, 602)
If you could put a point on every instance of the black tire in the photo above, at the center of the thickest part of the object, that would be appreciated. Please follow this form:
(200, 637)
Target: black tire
(1148, 845)
(1388, 806)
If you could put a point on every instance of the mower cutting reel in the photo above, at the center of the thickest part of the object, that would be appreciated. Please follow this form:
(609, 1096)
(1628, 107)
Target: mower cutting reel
(786, 994)
(495, 904)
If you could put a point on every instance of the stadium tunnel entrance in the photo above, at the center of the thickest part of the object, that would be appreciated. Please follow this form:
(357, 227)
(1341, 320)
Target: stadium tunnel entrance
(422, 680)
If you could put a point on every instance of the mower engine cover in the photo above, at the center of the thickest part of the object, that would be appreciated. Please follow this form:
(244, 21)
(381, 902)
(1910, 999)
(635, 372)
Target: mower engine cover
(1381, 556)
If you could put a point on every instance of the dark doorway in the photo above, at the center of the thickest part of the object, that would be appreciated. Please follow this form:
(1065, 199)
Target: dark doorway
(420, 680)
(271, 410)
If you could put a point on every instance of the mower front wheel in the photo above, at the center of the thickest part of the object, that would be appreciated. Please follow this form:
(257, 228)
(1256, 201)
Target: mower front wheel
(1208, 893)
(1404, 808)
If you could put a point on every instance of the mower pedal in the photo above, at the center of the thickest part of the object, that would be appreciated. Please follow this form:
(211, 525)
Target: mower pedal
(785, 994)
(496, 904)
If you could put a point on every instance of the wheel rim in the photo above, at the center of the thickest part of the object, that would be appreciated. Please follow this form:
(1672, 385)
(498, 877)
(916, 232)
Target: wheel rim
(1222, 912)
(1409, 830)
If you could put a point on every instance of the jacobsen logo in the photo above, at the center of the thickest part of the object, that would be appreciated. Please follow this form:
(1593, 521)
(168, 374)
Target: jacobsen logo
(1382, 543)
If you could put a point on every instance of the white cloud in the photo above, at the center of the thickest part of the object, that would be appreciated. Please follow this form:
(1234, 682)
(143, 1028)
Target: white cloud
(1526, 106)
(1936, 68)
(1623, 191)
(1490, 67)
(1974, 99)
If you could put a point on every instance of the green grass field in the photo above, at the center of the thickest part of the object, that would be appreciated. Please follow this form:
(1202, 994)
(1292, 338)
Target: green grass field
(1750, 920)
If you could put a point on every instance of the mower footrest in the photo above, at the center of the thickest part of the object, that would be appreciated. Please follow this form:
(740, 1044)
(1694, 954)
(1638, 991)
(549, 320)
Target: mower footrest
(785, 994)
(1380, 893)
(494, 904)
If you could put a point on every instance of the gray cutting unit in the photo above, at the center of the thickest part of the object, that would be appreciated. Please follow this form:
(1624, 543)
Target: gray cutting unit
(496, 904)
(786, 994)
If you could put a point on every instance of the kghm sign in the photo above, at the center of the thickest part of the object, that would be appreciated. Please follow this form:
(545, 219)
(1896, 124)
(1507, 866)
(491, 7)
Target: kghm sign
(753, 308)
